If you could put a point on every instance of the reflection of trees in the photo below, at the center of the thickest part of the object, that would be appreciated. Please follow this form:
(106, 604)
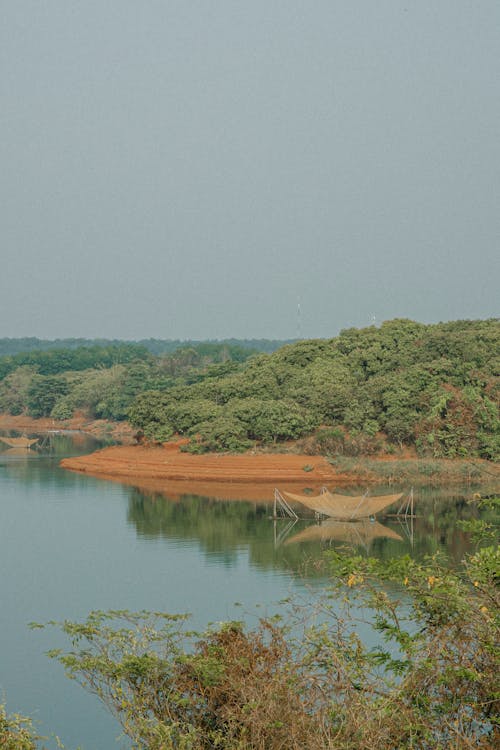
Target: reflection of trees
(223, 529)
(67, 444)
(39, 464)
(56, 443)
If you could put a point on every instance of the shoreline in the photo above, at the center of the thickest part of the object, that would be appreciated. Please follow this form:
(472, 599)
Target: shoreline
(249, 475)
(254, 475)
(101, 429)
(168, 463)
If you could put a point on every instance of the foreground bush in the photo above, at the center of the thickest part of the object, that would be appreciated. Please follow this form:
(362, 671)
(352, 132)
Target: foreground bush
(16, 732)
(309, 681)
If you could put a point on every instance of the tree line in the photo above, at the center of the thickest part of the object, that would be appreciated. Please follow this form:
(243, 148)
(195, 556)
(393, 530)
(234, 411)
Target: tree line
(432, 387)
(10, 346)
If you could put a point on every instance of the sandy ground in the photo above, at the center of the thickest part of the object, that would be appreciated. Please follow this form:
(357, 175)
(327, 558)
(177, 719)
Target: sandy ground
(250, 476)
(246, 476)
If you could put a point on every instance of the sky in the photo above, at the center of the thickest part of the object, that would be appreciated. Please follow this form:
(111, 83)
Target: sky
(200, 168)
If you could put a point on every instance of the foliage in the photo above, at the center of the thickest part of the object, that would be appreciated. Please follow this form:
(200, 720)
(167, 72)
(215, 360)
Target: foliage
(434, 388)
(425, 470)
(375, 385)
(43, 394)
(220, 434)
(270, 420)
(14, 390)
(309, 681)
(100, 394)
(56, 361)
(238, 349)
(337, 441)
(16, 732)
(461, 422)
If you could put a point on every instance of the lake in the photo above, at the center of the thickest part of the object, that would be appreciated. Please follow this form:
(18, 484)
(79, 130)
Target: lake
(70, 543)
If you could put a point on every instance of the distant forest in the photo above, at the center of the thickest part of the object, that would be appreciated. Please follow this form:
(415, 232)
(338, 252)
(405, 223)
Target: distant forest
(434, 388)
(154, 346)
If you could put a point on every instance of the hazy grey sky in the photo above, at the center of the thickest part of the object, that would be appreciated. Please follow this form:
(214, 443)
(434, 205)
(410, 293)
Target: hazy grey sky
(189, 169)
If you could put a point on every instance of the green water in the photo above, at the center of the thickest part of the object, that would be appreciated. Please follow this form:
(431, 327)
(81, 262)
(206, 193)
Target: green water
(70, 543)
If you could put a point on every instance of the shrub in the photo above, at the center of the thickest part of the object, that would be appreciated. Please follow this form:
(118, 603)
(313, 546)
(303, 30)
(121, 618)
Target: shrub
(159, 433)
(16, 732)
(220, 434)
(270, 420)
(309, 681)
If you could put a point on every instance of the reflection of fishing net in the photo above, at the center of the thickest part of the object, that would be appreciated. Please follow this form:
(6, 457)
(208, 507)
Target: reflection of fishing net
(359, 533)
(20, 442)
(344, 507)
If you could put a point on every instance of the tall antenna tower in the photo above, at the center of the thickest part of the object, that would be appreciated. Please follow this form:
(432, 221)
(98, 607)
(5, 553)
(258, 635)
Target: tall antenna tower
(299, 319)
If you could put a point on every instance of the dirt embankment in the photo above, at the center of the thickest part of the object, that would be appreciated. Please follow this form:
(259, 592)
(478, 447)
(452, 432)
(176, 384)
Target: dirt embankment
(100, 428)
(165, 462)
(246, 477)
(254, 475)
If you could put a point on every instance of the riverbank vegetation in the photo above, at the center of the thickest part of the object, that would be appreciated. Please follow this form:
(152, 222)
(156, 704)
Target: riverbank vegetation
(418, 471)
(305, 678)
(431, 388)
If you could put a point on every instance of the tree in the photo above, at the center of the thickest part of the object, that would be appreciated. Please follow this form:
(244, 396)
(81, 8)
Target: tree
(14, 390)
(43, 394)
(270, 420)
(224, 433)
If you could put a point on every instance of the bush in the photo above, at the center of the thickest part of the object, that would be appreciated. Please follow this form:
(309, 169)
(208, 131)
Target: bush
(309, 681)
(221, 434)
(270, 420)
(159, 433)
(16, 732)
(43, 394)
(62, 410)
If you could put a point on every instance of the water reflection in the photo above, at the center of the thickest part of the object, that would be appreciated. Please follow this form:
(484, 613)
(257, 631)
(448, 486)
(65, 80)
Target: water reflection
(17, 452)
(57, 443)
(70, 543)
(223, 528)
(355, 533)
(38, 465)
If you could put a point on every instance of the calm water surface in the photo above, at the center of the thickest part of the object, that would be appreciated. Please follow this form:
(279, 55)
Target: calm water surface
(70, 543)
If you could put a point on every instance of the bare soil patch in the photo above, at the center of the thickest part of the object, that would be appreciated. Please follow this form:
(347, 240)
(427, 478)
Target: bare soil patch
(253, 476)
(153, 465)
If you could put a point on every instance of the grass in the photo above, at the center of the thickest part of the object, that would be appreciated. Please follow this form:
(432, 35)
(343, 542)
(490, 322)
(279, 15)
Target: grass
(417, 471)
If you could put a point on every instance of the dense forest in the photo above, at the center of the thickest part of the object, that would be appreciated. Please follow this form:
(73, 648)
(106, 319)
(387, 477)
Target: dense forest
(431, 387)
(10, 346)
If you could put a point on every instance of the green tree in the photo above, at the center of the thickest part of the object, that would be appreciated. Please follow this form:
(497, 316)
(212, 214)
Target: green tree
(14, 390)
(224, 433)
(270, 420)
(43, 394)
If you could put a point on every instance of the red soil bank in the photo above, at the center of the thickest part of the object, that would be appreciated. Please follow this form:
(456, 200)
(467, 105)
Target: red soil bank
(249, 476)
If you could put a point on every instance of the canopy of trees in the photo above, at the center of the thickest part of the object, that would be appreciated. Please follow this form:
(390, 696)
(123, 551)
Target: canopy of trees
(154, 346)
(434, 387)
